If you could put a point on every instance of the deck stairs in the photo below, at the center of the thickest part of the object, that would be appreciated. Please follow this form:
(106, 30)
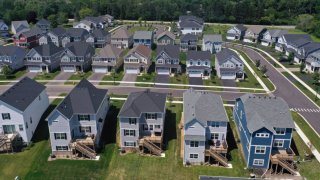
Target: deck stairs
(220, 158)
(85, 150)
(152, 147)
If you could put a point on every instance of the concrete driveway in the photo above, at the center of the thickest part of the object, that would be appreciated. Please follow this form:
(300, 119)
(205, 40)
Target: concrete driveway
(161, 78)
(62, 76)
(229, 83)
(128, 78)
(196, 81)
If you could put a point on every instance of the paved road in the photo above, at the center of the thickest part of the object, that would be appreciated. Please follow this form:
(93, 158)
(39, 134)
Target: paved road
(288, 91)
(229, 83)
(196, 81)
(161, 78)
(129, 78)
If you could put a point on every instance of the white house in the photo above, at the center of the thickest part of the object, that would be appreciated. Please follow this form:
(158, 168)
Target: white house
(212, 43)
(191, 25)
(236, 32)
(228, 65)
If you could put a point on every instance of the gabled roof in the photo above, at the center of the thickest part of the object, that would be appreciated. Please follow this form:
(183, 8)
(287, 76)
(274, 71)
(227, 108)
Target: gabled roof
(86, 22)
(277, 32)
(2, 23)
(226, 54)
(79, 48)
(297, 39)
(99, 33)
(256, 29)
(84, 98)
(43, 22)
(311, 47)
(95, 20)
(59, 31)
(77, 32)
(109, 51)
(143, 102)
(166, 33)
(266, 112)
(314, 57)
(48, 49)
(10, 50)
(142, 50)
(203, 107)
(121, 33)
(190, 21)
(241, 27)
(188, 37)
(171, 50)
(35, 31)
(202, 55)
(143, 35)
(22, 94)
(17, 24)
(212, 38)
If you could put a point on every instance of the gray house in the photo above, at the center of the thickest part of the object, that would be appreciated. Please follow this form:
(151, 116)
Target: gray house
(290, 43)
(74, 35)
(313, 62)
(19, 26)
(4, 29)
(270, 37)
(137, 60)
(204, 132)
(212, 43)
(228, 65)
(254, 34)
(77, 56)
(142, 119)
(44, 25)
(167, 59)
(54, 36)
(21, 108)
(43, 58)
(199, 64)
(143, 38)
(106, 59)
(121, 38)
(190, 24)
(98, 38)
(188, 42)
(304, 51)
(236, 32)
(75, 126)
(166, 37)
(12, 56)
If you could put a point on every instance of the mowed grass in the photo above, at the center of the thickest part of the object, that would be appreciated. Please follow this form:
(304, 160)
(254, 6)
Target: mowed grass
(146, 77)
(77, 77)
(13, 76)
(46, 76)
(116, 77)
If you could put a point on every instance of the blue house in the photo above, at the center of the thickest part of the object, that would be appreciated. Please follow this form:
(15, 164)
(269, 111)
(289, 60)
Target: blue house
(143, 37)
(265, 128)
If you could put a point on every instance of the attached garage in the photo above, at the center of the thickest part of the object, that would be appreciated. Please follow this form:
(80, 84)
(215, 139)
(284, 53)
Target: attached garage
(100, 70)
(132, 70)
(195, 73)
(68, 68)
(228, 75)
(35, 69)
(164, 71)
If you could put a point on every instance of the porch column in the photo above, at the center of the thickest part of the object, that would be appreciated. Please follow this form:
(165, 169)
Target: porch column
(47, 69)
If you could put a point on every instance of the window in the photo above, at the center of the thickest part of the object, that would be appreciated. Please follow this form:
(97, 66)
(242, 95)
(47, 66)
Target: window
(30, 120)
(214, 135)
(132, 121)
(60, 136)
(9, 129)
(20, 127)
(62, 148)
(151, 127)
(199, 63)
(6, 116)
(26, 125)
(262, 135)
(194, 156)
(258, 162)
(145, 127)
(194, 143)
(129, 144)
(85, 129)
(82, 117)
(157, 126)
(129, 132)
(278, 143)
(280, 131)
(214, 124)
(260, 150)
(151, 116)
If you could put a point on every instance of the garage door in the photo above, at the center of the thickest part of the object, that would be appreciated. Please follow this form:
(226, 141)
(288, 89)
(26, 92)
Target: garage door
(132, 70)
(34, 69)
(163, 71)
(100, 70)
(194, 73)
(68, 68)
(228, 76)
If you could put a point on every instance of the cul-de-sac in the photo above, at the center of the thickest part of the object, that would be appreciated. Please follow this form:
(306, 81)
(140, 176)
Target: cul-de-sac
(159, 89)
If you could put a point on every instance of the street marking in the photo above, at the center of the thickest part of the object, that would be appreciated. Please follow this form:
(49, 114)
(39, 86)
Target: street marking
(305, 110)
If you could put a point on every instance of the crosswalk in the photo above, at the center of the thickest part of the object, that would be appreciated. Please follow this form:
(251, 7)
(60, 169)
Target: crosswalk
(305, 110)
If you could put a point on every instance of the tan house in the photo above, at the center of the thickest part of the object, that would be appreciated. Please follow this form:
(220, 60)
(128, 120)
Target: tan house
(121, 38)
(137, 60)
(254, 34)
(106, 59)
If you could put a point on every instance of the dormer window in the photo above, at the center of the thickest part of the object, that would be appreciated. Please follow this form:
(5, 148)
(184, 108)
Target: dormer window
(262, 135)
(280, 131)
(151, 116)
(82, 117)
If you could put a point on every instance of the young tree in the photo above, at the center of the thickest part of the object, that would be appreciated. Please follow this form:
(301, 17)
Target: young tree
(140, 21)
(264, 69)
(290, 58)
(302, 66)
(6, 70)
(316, 79)
(258, 63)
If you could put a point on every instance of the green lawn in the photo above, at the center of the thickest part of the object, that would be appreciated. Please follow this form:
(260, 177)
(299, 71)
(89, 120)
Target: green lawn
(76, 77)
(146, 77)
(303, 76)
(213, 81)
(141, 28)
(216, 29)
(13, 76)
(118, 77)
(46, 76)
(179, 79)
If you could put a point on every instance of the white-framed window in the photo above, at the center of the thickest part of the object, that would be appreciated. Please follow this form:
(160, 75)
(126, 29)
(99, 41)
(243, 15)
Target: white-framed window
(85, 129)
(6, 116)
(157, 126)
(129, 144)
(214, 135)
(262, 135)
(280, 131)
(194, 143)
(194, 156)
(133, 121)
(62, 148)
(60, 136)
(145, 127)
(214, 124)
(151, 116)
(278, 143)
(260, 149)
(258, 162)
(129, 132)
(191, 127)
(20, 127)
(82, 117)
(151, 127)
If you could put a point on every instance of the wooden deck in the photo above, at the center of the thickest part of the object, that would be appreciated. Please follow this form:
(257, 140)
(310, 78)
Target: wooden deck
(88, 141)
(281, 154)
(152, 138)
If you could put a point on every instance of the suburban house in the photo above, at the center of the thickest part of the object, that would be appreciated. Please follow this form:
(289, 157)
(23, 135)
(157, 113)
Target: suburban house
(44, 25)
(166, 37)
(12, 56)
(199, 64)
(121, 38)
(108, 19)
(290, 43)
(98, 38)
(107, 59)
(138, 60)
(304, 51)
(54, 36)
(313, 62)
(4, 29)
(254, 34)
(265, 128)
(204, 131)
(90, 23)
(190, 25)
(76, 124)
(84, 24)
(21, 108)
(43, 58)
(142, 119)
(143, 37)
(28, 39)
(188, 42)
(74, 35)
(212, 43)
(19, 26)
(270, 37)
(236, 32)
(228, 65)
(167, 59)
(77, 56)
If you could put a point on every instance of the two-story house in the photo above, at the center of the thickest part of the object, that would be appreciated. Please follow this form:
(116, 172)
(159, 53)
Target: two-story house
(98, 38)
(137, 60)
(204, 131)
(76, 124)
(143, 37)
(74, 35)
(164, 38)
(236, 32)
(54, 36)
(303, 52)
(28, 39)
(77, 56)
(19, 26)
(313, 62)
(188, 42)
(43, 58)
(254, 34)
(190, 25)
(12, 56)
(107, 59)
(85, 24)
(121, 38)
(265, 128)
(167, 59)
(142, 119)
(199, 64)
(271, 36)
(290, 43)
(212, 43)
(4, 29)
(21, 108)
(228, 65)
(44, 25)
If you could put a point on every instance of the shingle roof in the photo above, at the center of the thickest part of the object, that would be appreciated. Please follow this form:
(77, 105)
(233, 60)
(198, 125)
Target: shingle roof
(190, 21)
(48, 49)
(212, 37)
(16, 24)
(203, 107)
(188, 37)
(43, 22)
(84, 98)
(95, 20)
(9, 50)
(143, 35)
(59, 31)
(99, 33)
(109, 51)
(77, 32)
(22, 94)
(79, 48)
(142, 50)
(33, 32)
(241, 27)
(277, 32)
(226, 54)
(266, 112)
(256, 29)
(166, 33)
(171, 50)
(202, 55)
(145, 101)
(121, 33)
(297, 39)
(311, 47)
